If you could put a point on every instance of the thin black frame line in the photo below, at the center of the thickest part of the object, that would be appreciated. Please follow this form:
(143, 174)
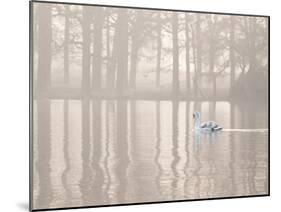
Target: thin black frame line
(31, 107)
(268, 84)
(156, 202)
(150, 8)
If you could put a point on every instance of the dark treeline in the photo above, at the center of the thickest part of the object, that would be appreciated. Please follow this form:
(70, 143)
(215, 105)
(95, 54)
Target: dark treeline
(114, 52)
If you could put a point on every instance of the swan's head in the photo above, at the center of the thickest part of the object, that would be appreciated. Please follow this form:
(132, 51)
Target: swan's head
(196, 115)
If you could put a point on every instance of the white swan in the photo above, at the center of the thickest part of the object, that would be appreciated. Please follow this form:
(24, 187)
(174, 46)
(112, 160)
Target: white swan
(208, 126)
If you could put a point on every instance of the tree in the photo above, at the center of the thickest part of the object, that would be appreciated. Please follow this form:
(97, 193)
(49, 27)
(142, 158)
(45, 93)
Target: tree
(86, 36)
(212, 22)
(122, 47)
(107, 49)
(159, 47)
(135, 45)
(175, 54)
(231, 54)
(198, 54)
(252, 44)
(97, 55)
(66, 45)
(44, 48)
(111, 63)
(187, 55)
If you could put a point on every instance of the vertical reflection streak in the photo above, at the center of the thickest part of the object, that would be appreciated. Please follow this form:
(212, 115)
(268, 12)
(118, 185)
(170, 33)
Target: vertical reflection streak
(252, 155)
(107, 152)
(136, 170)
(187, 141)
(210, 160)
(232, 150)
(97, 151)
(112, 151)
(196, 154)
(175, 154)
(65, 150)
(85, 182)
(158, 150)
(122, 150)
(44, 153)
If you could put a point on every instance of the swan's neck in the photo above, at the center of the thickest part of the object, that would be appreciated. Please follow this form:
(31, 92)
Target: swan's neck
(197, 123)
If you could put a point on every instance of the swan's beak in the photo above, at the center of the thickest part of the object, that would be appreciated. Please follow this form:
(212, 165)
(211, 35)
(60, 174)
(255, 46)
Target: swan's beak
(193, 116)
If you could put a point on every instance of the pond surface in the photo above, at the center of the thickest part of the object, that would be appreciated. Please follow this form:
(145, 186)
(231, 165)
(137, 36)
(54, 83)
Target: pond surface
(97, 152)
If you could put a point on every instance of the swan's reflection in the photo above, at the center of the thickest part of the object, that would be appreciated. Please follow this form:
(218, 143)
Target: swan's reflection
(199, 136)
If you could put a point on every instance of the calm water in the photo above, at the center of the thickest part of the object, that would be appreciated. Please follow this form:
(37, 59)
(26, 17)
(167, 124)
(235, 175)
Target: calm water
(95, 152)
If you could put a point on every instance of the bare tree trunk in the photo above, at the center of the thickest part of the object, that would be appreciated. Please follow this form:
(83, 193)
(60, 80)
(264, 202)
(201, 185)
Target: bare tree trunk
(134, 56)
(252, 44)
(44, 48)
(86, 35)
(66, 46)
(198, 44)
(107, 48)
(136, 33)
(187, 55)
(122, 56)
(175, 54)
(97, 55)
(111, 63)
(232, 115)
(212, 110)
(193, 42)
(198, 53)
(111, 80)
(212, 56)
(247, 42)
(232, 55)
(159, 47)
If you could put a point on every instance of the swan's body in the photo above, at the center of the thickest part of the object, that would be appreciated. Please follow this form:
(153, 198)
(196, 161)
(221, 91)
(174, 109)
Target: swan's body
(208, 126)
